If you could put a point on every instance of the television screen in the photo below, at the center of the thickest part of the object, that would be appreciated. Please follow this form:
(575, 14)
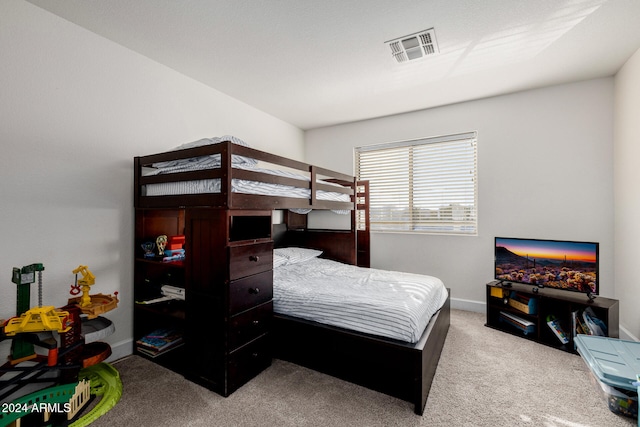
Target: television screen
(548, 263)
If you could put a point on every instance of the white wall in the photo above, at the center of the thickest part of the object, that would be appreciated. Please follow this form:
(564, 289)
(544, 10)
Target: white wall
(627, 199)
(545, 170)
(74, 111)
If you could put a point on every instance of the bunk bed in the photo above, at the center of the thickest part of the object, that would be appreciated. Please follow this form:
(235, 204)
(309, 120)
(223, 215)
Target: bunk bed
(224, 174)
(225, 178)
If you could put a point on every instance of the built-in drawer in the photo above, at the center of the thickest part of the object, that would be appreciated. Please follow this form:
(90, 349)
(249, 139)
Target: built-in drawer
(245, 260)
(248, 361)
(250, 291)
(250, 324)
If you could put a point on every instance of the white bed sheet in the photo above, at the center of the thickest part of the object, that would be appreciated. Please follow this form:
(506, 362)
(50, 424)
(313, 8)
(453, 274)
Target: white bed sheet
(204, 186)
(389, 304)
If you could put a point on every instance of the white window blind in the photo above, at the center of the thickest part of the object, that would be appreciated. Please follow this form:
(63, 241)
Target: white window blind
(425, 185)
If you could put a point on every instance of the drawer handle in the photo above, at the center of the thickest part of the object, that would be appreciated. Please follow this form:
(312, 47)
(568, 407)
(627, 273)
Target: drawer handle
(254, 258)
(255, 355)
(254, 291)
(255, 322)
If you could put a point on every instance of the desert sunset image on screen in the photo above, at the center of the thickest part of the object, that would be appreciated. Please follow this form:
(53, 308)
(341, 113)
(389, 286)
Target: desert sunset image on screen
(550, 263)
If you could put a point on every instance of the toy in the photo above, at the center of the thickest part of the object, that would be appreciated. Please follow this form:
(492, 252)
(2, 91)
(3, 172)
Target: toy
(62, 398)
(64, 365)
(38, 319)
(22, 349)
(91, 305)
(161, 243)
(84, 284)
(101, 380)
(106, 383)
(147, 247)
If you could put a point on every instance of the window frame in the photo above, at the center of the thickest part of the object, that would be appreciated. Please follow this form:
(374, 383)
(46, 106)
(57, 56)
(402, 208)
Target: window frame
(416, 213)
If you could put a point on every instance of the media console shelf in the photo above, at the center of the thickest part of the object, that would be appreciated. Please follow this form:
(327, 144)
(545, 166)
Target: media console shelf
(524, 310)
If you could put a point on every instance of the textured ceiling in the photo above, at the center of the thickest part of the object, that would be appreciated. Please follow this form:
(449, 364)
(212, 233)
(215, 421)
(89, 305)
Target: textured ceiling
(315, 63)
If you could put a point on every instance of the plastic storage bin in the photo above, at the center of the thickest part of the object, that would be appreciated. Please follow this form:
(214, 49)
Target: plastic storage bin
(614, 365)
(620, 401)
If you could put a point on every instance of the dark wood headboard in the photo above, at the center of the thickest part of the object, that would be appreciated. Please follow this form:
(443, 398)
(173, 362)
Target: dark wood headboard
(337, 245)
(279, 235)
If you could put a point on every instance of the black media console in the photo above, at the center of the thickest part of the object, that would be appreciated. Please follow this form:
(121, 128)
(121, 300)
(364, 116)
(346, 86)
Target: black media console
(526, 310)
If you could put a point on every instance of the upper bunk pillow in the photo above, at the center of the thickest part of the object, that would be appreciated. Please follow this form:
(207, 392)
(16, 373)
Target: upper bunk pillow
(294, 255)
(204, 162)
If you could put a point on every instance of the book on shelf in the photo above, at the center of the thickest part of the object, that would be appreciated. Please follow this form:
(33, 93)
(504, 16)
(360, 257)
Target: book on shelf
(587, 323)
(596, 326)
(523, 303)
(524, 325)
(159, 341)
(581, 327)
(154, 354)
(557, 330)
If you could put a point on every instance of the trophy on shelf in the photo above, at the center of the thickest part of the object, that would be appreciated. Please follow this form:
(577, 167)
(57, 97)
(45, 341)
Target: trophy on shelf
(161, 243)
(147, 247)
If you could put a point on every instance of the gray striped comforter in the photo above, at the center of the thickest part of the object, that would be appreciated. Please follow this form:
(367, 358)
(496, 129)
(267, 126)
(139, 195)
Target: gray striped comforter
(390, 304)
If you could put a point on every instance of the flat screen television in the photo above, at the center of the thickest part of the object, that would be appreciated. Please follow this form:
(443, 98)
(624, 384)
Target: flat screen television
(548, 263)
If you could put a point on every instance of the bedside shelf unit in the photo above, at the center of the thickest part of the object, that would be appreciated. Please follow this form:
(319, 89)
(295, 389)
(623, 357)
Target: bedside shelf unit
(549, 302)
(228, 280)
(150, 274)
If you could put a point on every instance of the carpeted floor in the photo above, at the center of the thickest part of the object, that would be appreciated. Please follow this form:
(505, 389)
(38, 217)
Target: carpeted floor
(484, 378)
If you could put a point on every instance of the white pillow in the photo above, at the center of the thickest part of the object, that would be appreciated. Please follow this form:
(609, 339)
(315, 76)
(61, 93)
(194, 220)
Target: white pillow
(295, 255)
(279, 260)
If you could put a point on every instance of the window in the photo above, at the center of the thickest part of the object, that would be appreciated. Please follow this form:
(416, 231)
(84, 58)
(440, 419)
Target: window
(425, 185)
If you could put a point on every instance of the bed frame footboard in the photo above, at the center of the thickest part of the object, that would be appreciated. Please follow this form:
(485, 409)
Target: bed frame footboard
(402, 370)
(434, 336)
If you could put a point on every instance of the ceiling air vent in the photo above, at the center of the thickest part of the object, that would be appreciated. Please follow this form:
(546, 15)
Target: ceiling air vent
(414, 46)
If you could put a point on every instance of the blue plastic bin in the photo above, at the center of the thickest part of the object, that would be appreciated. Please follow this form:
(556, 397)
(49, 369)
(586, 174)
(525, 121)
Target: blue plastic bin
(615, 365)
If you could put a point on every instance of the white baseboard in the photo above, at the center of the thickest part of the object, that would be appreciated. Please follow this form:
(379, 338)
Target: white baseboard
(626, 335)
(468, 305)
(120, 349)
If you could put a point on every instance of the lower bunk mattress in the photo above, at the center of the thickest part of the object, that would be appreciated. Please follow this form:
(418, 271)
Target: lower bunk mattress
(382, 303)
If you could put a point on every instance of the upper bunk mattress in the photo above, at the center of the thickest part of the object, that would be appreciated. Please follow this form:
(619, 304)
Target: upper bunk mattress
(207, 186)
(243, 186)
(389, 304)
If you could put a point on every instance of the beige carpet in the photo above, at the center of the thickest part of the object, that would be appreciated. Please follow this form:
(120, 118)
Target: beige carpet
(484, 378)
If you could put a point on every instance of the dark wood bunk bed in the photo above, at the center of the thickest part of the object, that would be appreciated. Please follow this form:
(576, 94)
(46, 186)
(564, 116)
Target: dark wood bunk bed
(400, 369)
